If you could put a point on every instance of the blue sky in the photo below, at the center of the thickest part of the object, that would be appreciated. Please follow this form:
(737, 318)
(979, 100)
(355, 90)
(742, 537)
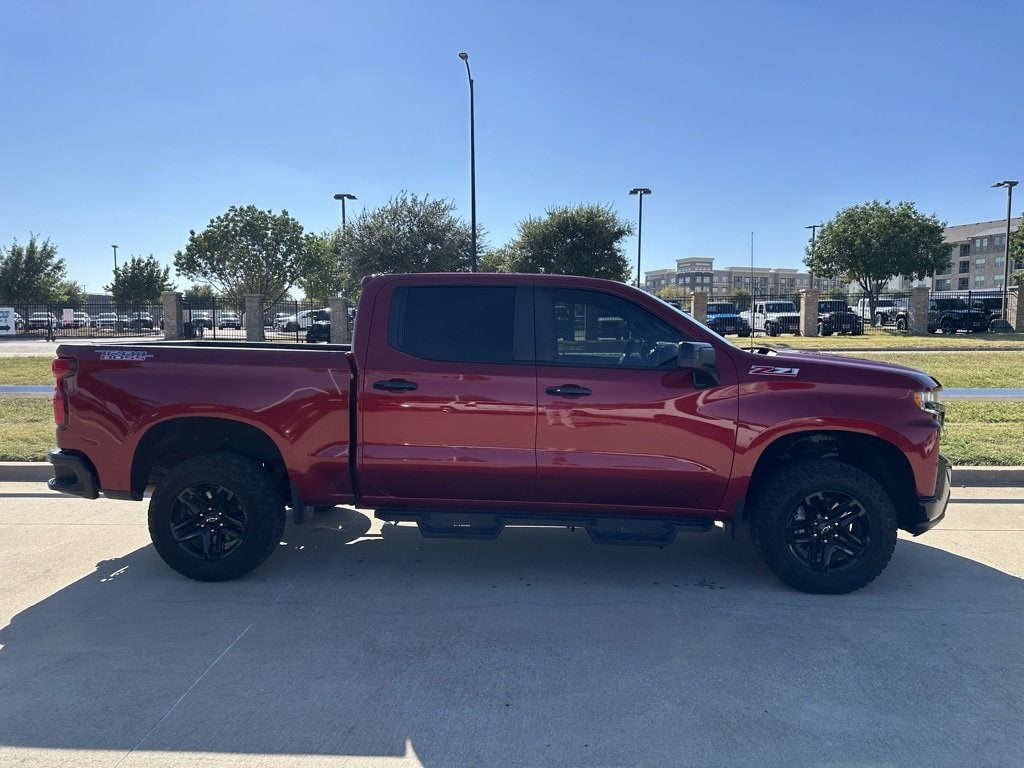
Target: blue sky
(132, 123)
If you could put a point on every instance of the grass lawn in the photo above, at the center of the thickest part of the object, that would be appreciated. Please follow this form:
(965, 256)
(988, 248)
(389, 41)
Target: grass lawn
(26, 370)
(26, 424)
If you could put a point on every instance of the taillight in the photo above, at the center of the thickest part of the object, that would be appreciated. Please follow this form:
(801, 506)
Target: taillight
(63, 369)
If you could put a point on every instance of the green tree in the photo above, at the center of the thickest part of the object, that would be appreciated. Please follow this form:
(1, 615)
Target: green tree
(245, 250)
(408, 234)
(31, 273)
(200, 291)
(71, 293)
(583, 240)
(323, 272)
(672, 292)
(140, 281)
(871, 243)
(742, 298)
(1017, 254)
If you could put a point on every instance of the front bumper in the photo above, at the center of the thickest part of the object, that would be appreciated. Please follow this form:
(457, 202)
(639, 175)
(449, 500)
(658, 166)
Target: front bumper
(931, 509)
(72, 474)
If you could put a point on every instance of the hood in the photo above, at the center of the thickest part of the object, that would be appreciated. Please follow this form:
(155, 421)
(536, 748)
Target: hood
(853, 370)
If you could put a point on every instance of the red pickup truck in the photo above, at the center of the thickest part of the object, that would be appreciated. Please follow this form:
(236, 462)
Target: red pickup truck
(470, 402)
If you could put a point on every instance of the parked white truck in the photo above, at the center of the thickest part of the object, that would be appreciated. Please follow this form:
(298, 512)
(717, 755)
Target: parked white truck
(773, 317)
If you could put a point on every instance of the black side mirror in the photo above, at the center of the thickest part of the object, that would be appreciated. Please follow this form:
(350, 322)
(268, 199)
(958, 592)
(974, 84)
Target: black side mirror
(701, 358)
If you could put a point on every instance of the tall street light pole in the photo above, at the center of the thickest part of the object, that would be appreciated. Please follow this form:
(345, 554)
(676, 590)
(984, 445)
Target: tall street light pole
(814, 231)
(641, 191)
(115, 260)
(1006, 266)
(343, 196)
(472, 162)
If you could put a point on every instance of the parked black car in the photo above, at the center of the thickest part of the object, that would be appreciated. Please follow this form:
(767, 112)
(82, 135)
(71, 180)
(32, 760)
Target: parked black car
(948, 315)
(318, 331)
(835, 316)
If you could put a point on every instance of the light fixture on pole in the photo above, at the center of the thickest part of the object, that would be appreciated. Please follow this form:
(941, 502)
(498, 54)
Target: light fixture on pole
(472, 163)
(343, 196)
(640, 191)
(814, 230)
(115, 260)
(1006, 265)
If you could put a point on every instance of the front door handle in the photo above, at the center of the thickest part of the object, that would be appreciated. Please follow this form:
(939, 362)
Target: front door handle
(568, 390)
(395, 385)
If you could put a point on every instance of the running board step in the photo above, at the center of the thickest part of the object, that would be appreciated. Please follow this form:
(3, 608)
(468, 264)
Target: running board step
(642, 533)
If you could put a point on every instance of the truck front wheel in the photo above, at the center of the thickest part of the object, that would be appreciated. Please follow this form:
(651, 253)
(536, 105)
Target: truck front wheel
(824, 526)
(216, 517)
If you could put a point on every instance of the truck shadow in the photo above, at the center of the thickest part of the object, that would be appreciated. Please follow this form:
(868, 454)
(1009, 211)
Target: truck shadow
(538, 648)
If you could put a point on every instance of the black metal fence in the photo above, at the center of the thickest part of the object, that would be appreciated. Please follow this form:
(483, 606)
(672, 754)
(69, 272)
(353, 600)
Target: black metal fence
(887, 313)
(218, 318)
(212, 318)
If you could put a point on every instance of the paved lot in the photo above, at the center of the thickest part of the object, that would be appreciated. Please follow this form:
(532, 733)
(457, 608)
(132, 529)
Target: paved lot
(357, 645)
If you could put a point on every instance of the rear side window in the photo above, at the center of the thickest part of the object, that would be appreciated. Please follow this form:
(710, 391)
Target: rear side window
(463, 323)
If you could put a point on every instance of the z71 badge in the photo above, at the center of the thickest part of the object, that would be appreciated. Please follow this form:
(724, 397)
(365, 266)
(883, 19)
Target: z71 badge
(773, 370)
(124, 354)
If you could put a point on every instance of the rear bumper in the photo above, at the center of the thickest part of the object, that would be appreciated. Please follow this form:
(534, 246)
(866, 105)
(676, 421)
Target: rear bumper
(931, 509)
(72, 474)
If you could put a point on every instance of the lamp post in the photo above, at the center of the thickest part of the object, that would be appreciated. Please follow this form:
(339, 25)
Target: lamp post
(343, 196)
(472, 163)
(1006, 265)
(641, 191)
(115, 260)
(814, 231)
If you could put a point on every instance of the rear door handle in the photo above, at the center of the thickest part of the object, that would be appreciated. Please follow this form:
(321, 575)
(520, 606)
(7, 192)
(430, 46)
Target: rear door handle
(395, 385)
(568, 390)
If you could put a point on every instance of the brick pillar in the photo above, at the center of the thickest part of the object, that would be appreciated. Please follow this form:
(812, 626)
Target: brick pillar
(339, 319)
(700, 307)
(172, 314)
(254, 317)
(1015, 305)
(918, 310)
(809, 311)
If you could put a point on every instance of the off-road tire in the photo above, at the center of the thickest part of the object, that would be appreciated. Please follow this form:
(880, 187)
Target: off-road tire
(901, 324)
(216, 516)
(823, 526)
(947, 326)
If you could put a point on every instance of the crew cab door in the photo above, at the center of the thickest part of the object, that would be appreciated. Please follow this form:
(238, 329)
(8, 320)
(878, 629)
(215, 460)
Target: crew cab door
(447, 393)
(619, 422)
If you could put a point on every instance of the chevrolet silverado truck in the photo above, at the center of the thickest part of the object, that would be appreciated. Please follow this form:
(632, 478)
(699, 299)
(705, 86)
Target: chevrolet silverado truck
(462, 406)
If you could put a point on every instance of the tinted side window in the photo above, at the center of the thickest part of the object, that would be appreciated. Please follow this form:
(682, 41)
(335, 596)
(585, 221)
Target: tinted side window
(471, 323)
(601, 329)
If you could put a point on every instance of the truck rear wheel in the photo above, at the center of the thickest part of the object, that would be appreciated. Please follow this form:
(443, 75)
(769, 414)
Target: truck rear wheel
(824, 526)
(216, 517)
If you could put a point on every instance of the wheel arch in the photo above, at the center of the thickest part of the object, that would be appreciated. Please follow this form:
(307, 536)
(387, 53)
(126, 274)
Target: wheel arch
(873, 455)
(168, 443)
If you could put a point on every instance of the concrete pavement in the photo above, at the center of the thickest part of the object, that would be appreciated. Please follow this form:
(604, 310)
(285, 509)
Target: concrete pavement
(361, 644)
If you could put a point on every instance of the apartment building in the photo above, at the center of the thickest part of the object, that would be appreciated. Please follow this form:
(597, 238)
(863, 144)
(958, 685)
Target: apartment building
(698, 273)
(977, 255)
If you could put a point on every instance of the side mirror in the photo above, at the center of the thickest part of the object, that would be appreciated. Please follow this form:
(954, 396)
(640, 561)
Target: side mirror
(701, 358)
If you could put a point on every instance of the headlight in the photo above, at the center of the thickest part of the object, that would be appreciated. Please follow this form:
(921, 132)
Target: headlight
(928, 400)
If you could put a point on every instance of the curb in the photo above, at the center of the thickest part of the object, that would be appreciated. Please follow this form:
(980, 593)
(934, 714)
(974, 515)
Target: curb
(979, 477)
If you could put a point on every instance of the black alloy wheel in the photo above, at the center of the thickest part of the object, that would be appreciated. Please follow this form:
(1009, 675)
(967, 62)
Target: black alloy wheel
(828, 531)
(824, 526)
(216, 516)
